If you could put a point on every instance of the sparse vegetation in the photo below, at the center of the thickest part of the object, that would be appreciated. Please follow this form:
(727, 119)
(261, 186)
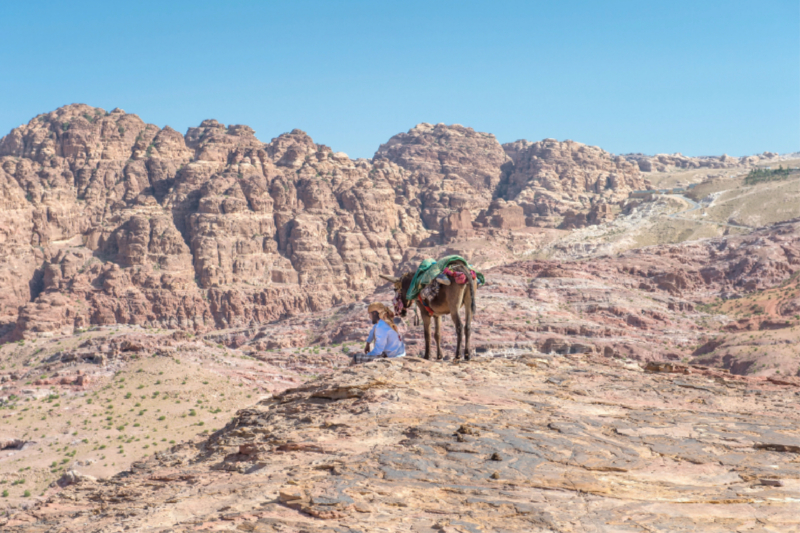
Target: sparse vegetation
(761, 175)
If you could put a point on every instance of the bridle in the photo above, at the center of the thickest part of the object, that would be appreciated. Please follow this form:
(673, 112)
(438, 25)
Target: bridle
(399, 302)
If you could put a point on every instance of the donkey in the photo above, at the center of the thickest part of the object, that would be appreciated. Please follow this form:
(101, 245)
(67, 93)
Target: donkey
(449, 301)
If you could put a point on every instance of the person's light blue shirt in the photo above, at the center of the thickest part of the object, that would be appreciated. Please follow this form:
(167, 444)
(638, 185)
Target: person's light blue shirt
(386, 340)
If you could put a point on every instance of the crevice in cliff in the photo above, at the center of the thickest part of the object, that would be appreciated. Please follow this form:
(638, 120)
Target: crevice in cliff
(501, 191)
(36, 283)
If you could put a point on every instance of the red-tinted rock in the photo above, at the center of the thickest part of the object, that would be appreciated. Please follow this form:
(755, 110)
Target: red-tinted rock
(105, 219)
(550, 177)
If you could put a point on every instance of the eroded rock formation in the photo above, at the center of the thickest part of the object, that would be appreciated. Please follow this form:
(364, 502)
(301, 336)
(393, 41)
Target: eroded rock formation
(672, 162)
(107, 219)
(550, 177)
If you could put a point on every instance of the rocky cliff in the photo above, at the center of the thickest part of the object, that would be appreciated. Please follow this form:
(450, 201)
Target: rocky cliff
(108, 219)
(549, 177)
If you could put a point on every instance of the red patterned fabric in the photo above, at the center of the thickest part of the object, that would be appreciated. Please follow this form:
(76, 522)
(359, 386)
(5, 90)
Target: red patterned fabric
(428, 309)
(459, 277)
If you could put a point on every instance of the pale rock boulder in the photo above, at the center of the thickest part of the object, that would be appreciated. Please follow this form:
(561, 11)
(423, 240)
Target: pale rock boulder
(73, 477)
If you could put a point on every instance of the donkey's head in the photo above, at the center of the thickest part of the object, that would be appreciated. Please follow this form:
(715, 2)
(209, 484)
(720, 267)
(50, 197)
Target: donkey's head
(401, 286)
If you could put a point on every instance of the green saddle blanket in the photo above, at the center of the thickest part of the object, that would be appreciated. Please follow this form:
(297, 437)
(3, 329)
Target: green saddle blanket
(429, 269)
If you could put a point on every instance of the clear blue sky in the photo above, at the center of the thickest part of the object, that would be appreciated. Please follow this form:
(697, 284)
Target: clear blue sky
(700, 77)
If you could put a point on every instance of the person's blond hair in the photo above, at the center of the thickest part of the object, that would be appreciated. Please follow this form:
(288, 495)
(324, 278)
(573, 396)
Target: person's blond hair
(385, 314)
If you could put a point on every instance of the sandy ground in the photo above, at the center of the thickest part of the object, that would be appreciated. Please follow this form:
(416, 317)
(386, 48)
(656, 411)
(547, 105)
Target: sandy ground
(130, 408)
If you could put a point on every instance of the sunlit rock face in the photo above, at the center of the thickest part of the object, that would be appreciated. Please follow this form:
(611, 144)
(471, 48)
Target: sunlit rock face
(108, 219)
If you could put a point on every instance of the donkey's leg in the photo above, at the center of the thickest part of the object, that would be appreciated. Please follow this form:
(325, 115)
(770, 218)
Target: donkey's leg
(455, 298)
(459, 331)
(467, 324)
(437, 335)
(467, 352)
(426, 327)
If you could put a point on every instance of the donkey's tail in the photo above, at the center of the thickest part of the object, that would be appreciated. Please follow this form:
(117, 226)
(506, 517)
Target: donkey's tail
(472, 283)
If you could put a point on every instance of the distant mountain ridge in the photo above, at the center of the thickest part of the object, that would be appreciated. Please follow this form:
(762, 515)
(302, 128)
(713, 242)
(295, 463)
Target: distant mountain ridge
(107, 219)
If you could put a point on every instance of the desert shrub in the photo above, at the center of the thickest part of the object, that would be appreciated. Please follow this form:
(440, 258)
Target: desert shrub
(761, 175)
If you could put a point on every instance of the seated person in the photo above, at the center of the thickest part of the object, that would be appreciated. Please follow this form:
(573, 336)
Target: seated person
(384, 334)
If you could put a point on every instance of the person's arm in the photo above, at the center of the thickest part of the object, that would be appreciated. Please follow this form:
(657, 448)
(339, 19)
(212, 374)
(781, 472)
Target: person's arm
(370, 338)
(380, 341)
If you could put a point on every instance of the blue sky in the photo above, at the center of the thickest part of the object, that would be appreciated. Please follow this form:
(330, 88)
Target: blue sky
(699, 77)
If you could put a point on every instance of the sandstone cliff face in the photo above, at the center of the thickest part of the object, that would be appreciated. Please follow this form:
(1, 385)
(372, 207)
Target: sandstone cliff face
(453, 167)
(107, 219)
(549, 177)
(538, 180)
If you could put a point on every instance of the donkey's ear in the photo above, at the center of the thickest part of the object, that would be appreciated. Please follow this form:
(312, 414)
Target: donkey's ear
(389, 278)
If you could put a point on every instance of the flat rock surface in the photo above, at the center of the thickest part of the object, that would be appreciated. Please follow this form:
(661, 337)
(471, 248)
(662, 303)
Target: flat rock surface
(534, 443)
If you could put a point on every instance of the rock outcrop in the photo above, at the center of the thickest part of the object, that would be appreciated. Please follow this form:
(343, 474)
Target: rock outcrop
(73, 477)
(538, 443)
(107, 219)
(551, 177)
(598, 214)
(454, 168)
(111, 220)
(673, 162)
(590, 379)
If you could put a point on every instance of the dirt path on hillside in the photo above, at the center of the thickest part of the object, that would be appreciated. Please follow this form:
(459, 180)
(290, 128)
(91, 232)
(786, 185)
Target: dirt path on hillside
(694, 206)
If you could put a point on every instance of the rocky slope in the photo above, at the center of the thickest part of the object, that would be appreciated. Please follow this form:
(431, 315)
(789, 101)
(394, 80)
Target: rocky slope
(532, 444)
(109, 220)
(591, 390)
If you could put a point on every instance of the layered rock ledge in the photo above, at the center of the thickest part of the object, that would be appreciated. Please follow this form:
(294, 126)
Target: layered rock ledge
(545, 443)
